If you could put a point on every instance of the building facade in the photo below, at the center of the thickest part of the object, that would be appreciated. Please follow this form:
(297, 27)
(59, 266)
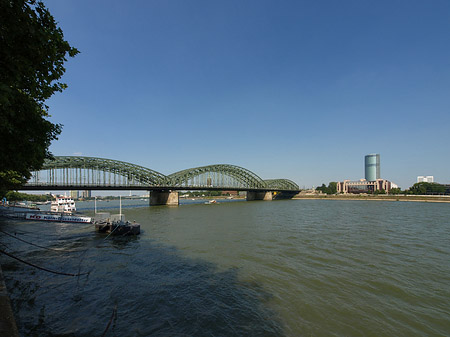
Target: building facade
(363, 186)
(86, 194)
(372, 167)
(372, 182)
(425, 179)
(74, 194)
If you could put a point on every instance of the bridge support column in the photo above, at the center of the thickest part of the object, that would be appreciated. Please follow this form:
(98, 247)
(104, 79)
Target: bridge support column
(284, 195)
(251, 195)
(168, 198)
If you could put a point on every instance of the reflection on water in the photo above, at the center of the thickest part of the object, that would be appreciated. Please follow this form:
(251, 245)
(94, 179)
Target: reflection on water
(281, 268)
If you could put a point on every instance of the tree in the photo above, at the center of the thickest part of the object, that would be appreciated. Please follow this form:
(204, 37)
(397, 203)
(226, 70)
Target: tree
(332, 186)
(16, 196)
(427, 188)
(32, 55)
(331, 189)
(395, 191)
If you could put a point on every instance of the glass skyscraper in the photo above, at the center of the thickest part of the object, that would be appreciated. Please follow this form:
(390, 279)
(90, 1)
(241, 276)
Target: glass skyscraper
(372, 167)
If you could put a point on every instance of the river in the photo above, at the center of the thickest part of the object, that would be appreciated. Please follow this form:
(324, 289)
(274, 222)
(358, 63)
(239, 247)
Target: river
(236, 268)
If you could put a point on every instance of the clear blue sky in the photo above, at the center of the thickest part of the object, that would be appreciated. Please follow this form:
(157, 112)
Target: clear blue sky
(287, 89)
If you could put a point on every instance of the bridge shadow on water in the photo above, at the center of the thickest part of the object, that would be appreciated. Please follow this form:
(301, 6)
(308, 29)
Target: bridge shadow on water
(157, 292)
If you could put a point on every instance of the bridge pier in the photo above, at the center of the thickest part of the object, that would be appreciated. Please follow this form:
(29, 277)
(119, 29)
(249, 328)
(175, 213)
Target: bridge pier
(168, 198)
(252, 195)
(284, 195)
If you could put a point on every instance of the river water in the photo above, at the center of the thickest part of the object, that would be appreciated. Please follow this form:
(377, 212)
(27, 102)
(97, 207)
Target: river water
(279, 268)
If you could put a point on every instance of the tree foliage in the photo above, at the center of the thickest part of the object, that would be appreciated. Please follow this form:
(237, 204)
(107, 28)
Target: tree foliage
(32, 56)
(395, 191)
(330, 189)
(16, 196)
(427, 188)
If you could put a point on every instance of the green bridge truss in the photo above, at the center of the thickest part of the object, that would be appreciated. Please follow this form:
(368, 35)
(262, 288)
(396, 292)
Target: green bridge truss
(217, 175)
(98, 173)
(282, 184)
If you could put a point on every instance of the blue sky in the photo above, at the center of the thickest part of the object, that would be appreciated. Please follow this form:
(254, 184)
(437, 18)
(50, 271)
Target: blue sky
(287, 89)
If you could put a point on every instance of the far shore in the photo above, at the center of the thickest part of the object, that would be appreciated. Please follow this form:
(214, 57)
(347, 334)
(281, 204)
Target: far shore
(417, 198)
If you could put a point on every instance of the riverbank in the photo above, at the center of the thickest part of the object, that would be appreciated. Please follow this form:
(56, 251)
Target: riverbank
(7, 322)
(417, 198)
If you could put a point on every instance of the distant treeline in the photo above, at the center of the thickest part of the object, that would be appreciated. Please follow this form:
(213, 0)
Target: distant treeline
(427, 188)
(16, 196)
(416, 189)
(203, 193)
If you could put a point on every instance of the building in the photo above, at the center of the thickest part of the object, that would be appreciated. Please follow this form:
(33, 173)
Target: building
(230, 193)
(86, 194)
(363, 186)
(372, 181)
(372, 167)
(425, 179)
(74, 194)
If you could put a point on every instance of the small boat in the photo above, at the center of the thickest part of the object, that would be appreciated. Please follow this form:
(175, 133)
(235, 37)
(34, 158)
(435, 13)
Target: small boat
(213, 201)
(116, 223)
(118, 227)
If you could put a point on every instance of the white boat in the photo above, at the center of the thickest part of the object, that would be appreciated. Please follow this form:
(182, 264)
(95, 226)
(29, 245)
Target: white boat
(63, 205)
(58, 217)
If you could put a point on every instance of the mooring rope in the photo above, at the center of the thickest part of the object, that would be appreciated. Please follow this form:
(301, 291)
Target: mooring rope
(30, 243)
(41, 268)
(111, 232)
(110, 320)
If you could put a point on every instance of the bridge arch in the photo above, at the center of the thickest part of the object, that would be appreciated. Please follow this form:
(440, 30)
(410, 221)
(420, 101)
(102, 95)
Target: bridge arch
(219, 175)
(87, 173)
(91, 171)
(282, 184)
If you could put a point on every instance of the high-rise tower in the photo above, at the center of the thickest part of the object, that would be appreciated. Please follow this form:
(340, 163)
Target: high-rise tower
(372, 167)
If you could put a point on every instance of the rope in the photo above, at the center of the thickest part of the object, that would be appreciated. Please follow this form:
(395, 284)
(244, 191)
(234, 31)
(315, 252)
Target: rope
(110, 320)
(30, 243)
(111, 232)
(41, 268)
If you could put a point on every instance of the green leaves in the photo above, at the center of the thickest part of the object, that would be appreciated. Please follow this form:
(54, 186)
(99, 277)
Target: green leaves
(331, 189)
(32, 56)
(427, 188)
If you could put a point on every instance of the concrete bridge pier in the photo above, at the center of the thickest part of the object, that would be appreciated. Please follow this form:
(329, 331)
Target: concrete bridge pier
(264, 195)
(284, 195)
(168, 198)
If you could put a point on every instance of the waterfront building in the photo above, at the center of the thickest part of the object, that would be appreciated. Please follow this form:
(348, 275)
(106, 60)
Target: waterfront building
(372, 167)
(363, 186)
(425, 179)
(74, 194)
(372, 181)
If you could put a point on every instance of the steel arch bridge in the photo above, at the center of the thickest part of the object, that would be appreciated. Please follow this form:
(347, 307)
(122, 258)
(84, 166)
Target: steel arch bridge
(220, 175)
(84, 173)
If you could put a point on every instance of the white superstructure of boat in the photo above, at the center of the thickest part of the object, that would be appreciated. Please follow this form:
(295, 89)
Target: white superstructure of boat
(63, 205)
